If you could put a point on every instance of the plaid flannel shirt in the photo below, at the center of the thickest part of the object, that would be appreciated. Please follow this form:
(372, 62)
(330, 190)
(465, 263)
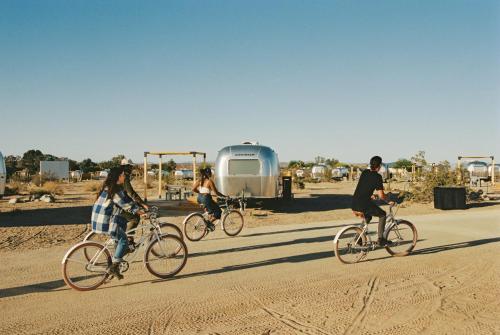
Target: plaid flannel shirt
(106, 212)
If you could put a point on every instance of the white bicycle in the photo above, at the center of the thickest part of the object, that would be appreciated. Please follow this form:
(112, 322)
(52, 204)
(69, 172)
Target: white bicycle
(352, 243)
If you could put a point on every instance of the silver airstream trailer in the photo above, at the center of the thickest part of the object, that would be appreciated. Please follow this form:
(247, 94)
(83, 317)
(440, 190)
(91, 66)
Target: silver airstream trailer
(248, 169)
(318, 171)
(478, 170)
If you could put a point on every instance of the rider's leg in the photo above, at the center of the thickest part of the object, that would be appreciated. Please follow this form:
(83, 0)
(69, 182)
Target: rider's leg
(381, 214)
(121, 249)
(132, 220)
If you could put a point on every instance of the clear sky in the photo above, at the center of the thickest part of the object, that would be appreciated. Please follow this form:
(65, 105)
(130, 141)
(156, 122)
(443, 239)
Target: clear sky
(343, 79)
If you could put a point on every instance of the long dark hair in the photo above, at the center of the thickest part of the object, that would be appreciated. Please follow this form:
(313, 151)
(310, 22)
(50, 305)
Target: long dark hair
(205, 173)
(111, 182)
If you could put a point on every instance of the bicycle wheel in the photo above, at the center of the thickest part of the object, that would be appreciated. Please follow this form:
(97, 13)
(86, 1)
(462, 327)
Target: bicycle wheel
(83, 274)
(169, 257)
(350, 245)
(170, 229)
(166, 228)
(99, 238)
(403, 236)
(195, 227)
(232, 223)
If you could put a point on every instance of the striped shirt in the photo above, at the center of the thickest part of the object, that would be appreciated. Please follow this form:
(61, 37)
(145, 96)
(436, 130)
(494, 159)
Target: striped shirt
(106, 212)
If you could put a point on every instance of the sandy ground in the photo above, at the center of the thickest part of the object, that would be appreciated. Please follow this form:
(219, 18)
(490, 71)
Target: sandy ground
(272, 279)
(35, 225)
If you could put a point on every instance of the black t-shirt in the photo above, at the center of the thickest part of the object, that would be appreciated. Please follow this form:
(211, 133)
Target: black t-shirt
(368, 182)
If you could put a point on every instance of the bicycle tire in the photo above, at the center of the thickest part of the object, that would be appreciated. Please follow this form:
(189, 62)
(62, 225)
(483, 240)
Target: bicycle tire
(350, 245)
(174, 249)
(195, 227)
(395, 235)
(99, 238)
(74, 281)
(232, 222)
(168, 228)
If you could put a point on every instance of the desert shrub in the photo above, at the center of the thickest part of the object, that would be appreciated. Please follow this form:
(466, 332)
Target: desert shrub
(93, 186)
(53, 187)
(441, 175)
(299, 183)
(49, 187)
(15, 187)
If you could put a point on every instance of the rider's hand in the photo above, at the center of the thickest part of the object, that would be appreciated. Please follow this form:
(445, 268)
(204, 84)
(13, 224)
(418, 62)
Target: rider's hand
(391, 203)
(146, 207)
(374, 197)
(141, 212)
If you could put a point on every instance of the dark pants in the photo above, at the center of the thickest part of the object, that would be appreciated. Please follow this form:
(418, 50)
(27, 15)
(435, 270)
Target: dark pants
(374, 210)
(210, 205)
(132, 219)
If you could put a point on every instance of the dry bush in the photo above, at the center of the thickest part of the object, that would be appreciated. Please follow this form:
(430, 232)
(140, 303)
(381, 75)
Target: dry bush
(49, 187)
(441, 175)
(15, 187)
(93, 186)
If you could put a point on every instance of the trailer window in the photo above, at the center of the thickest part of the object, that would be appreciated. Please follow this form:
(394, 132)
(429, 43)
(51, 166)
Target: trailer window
(244, 166)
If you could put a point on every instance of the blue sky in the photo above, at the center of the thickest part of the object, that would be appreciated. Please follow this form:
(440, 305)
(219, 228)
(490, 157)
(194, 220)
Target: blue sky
(343, 79)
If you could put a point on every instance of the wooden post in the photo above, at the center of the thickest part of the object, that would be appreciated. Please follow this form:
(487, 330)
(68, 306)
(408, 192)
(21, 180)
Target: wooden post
(413, 171)
(352, 173)
(160, 177)
(459, 169)
(493, 170)
(145, 176)
(194, 168)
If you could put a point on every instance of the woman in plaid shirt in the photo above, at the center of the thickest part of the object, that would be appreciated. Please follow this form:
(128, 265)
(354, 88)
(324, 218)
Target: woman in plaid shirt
(106, 218)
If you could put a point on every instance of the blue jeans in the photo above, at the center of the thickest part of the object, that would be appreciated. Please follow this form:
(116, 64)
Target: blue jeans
(212, 208)
(122, 246)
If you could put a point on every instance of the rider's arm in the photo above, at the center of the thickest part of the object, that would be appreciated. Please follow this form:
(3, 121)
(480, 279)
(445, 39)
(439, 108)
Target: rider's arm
(124, 202)
(214, 188)
(381, 194)
(127, 186)
(196, 185)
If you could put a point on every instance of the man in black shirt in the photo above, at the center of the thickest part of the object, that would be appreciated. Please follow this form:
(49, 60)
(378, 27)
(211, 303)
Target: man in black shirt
(370, 181)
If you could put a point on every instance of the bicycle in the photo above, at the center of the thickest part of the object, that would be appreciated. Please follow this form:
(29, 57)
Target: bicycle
(85, 265)
(196, 225)
(352, 243)
(165, 227)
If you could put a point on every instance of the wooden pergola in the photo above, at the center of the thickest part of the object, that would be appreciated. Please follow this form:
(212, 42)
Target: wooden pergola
(194, 154)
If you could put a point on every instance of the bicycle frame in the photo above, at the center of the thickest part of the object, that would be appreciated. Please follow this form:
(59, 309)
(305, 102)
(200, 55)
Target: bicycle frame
(391, 221)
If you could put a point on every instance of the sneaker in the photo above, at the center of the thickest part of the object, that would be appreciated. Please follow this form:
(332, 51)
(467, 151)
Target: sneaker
(114, 270)
(383, 242)
(210, 226)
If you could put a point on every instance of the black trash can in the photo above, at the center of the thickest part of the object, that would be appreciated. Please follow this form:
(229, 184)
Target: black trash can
(449, 198)
(287, 187)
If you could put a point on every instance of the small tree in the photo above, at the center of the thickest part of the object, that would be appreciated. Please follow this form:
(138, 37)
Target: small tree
(419, 158)
(31, 160)
(88, 166)
(332, 162)
(403, 163)
(170, 166)
(319, 159)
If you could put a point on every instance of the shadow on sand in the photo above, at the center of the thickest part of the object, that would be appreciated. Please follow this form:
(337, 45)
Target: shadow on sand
(50, 286)
(314, 203)
(46, 217)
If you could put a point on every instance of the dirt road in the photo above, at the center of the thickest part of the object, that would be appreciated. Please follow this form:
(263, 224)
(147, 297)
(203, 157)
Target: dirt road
(276, 280)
